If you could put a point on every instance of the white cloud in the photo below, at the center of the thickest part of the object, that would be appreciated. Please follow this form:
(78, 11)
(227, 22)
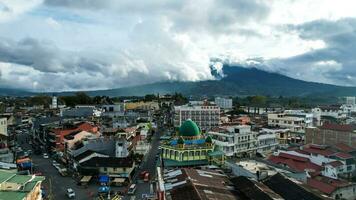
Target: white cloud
(10, 9)
(121, 43)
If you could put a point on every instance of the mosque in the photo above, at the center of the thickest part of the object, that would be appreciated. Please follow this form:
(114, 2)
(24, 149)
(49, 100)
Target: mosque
(190, 148)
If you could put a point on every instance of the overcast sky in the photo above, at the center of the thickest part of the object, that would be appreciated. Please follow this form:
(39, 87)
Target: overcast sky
(56, 45)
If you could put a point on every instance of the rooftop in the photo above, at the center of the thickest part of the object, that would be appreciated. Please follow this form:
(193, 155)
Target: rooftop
(289, 189)
(20, 186)
(339, 127)
(327, 185)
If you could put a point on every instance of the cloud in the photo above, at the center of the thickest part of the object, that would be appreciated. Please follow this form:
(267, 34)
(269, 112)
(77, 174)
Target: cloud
(12, 8)
(334, 63)
(92, 44)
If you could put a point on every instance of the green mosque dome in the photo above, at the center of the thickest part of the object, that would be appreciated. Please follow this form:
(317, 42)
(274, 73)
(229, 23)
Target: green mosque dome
(189, 129)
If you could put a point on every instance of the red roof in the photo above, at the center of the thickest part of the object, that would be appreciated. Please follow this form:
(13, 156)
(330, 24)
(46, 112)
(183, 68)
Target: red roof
(343, 155)
(325, 184)
(344, 147)
(296, 163)
(335, 163)
(315, 149)
(338, 127)
(293, 157)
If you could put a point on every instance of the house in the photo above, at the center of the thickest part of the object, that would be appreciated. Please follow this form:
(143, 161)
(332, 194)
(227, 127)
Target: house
(112, 166)
(291, 190)
(20, 187)
(188, 183)
(251, 189)
(76, 136)
(294, 162)
(56, 136)
(337, 189)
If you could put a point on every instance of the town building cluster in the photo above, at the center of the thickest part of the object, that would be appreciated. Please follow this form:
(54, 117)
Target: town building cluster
(161, 149)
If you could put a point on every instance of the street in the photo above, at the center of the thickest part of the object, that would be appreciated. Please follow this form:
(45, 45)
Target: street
(149, 165)
(56, 185)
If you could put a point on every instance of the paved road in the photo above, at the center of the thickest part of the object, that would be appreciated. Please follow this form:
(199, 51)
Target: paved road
(148, 164)
(54, 182)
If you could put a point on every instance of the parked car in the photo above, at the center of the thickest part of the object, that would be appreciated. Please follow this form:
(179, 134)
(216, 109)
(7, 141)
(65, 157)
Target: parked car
(132, 189)
(45, 155)
(70, 193)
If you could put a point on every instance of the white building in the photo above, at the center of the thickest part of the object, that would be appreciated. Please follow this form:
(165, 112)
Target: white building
(235, 140)
(54, 102)
(206, 116)
(337, 112)
(114, 107)
(294, 120)
(3, 127)
(223, 103)
(350, 100)
(267, 142)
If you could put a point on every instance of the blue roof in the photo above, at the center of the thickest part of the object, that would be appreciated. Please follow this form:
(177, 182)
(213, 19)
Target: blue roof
(103, 179)
(189, 142)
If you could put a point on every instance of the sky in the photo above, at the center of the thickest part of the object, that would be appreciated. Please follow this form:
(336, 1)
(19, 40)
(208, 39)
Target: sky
(61, 45)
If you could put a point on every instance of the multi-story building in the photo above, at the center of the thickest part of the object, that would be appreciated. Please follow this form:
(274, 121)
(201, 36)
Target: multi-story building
(295, 121)
(282, 134)
(350, 100)
(328, 113)
(54, 102)
(267, 142)
(224, 103)
(206, 116)
(235, 140)
(3, 127)
(331, 134)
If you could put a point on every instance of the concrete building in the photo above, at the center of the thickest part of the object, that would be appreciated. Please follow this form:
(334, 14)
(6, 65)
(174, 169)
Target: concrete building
(329, 113)
(266, 142)
(224, 103)
(3, 127)
(331, 134)
(54, 104)
(120, 107)
(206, 116)
(350, 100)
(235, 140)
(295, 121)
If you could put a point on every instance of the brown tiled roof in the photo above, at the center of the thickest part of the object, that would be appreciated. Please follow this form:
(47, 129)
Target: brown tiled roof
(343, 155)
(338, 127)
(325, 184)
(344, 147)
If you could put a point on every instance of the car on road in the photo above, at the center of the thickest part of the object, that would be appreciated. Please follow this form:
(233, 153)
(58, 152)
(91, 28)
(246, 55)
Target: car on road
(45, 155)
(70, 193)
(132, 189)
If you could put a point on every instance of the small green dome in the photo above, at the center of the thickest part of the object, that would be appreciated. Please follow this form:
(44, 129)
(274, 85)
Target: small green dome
(189, 129)
(180, 140)
(208, 139)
